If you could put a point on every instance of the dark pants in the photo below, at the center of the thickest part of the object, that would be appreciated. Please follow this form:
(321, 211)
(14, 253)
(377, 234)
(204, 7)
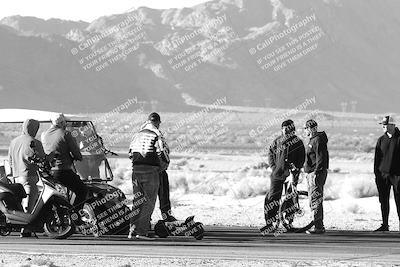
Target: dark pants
(163, 195)
(272, 200)
(316, 184)
(73, 182)
(384, 184)
(145, 179)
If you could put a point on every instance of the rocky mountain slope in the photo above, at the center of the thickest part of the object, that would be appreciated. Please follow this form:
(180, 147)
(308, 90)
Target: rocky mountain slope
(204, 53)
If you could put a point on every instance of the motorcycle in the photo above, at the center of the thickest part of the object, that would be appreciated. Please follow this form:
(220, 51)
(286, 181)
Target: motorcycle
(105, 210)
(51, 213)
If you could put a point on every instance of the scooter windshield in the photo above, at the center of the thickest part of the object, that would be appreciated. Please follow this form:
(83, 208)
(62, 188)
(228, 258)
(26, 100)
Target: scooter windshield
(86, 137)
(91, 146)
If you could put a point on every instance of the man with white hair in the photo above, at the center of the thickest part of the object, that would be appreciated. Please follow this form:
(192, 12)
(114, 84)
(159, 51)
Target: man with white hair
(62, 144)
(387, 168)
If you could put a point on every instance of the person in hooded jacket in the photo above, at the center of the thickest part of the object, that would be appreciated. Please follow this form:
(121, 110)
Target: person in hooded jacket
(24, 172)
(316, 167)
(387, 168)
(285, 150)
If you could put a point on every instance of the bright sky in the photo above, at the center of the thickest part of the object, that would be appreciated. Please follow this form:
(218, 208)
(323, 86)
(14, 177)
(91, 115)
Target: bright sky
(86, 10)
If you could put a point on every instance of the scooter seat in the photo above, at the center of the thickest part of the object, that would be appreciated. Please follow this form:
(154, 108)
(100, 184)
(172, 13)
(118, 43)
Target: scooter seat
(15, 189)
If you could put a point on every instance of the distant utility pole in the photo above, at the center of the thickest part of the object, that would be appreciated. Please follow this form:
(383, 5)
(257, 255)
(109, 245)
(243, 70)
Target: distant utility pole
(353, 106)
(344, 106)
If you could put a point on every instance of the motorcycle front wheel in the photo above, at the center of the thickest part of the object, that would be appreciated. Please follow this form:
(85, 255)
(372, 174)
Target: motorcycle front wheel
(58, 223)
(294, 213)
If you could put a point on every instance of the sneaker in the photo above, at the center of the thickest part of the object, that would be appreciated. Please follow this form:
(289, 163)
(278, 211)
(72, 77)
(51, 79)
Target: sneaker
(170, 218)
(316, 231)
(144, 237)
(383, 228)
(131, 234)
(268, 229)
(28, 234)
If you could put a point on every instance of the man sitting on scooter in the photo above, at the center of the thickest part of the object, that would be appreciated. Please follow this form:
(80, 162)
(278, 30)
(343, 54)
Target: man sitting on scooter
(24, 172)
(59, 141)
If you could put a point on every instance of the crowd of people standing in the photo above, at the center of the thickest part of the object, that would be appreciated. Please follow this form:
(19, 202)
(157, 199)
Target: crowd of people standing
(149, 153)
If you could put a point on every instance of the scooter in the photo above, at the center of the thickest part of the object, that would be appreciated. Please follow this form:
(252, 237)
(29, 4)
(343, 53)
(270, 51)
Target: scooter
(51, 213)
(106, 209)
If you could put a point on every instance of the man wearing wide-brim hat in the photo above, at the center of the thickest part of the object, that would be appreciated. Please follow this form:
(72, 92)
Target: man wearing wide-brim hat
(387, 168)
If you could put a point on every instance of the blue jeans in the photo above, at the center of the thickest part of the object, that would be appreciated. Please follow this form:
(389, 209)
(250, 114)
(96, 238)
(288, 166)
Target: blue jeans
(384, 182)
(163, 195)
(146, 180)
(272, 200)
(316, 184)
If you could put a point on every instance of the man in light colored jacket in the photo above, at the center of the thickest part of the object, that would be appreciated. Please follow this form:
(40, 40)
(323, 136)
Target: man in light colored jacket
(62, 144)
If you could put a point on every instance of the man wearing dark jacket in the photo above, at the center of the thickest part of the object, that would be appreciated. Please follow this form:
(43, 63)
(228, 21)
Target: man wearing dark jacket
(387, 168)
(62, 144)
(147, 153)
(316, 167)
(24, 172)
(285, 150)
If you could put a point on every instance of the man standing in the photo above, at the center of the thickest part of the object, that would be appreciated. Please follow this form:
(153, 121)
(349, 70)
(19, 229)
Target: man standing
(24, 172)
(316, 167)
(387, 168)
(147, 153)
(285, 150)
(62, 144)
(163, 191)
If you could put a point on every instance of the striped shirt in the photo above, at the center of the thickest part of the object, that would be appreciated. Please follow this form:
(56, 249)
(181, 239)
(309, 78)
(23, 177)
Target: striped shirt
(143, 148)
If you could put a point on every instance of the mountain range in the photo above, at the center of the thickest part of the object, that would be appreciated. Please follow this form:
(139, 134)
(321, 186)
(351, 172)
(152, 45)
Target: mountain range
(176, 57)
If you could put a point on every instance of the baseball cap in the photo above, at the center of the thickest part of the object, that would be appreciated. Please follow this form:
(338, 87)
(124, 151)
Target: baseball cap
(387, 120)
(287, 123)
(154, 117)
(310, 124)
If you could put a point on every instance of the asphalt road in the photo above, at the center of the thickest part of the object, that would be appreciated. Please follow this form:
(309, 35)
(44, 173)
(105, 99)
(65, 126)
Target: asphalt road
(224, 243)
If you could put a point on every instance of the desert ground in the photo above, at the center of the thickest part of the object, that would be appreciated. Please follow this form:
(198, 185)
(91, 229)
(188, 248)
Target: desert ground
(230, 190)
(219, 174)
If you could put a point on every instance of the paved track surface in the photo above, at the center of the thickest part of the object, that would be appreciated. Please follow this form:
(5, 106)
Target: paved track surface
(225, 243)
